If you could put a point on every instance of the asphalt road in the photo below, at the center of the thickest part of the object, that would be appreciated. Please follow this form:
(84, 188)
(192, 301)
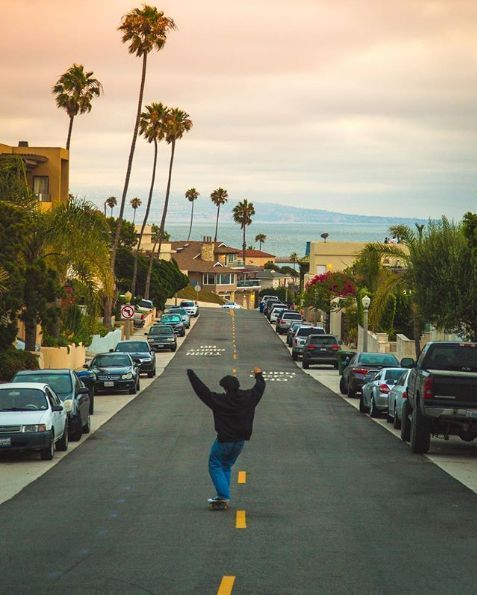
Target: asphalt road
(332, 502)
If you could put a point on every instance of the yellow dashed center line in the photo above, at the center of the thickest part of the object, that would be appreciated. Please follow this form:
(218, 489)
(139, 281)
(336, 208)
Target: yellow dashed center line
(240, 520)
(226, 585)
(242, 477)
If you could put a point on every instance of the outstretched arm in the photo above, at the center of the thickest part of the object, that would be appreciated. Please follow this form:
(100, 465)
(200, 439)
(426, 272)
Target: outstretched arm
(259, 387)
(201, 390)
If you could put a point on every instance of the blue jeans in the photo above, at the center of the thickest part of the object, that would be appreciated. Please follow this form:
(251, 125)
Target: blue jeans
(222, 456)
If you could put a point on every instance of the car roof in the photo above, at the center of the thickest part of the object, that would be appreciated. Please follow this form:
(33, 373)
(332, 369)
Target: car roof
(37, 385)
(47, 371)
(113, 353)
(132, 341)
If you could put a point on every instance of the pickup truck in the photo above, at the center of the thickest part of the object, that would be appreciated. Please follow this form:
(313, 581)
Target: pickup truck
(441, 395)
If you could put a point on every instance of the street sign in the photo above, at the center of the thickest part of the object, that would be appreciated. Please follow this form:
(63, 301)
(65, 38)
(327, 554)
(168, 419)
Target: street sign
(127, 312)
(197, 288)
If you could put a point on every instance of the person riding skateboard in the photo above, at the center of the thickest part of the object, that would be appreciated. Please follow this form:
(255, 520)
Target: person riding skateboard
(233, 418)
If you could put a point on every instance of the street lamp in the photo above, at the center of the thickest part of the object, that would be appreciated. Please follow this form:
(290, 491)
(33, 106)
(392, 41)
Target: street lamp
(366, 301)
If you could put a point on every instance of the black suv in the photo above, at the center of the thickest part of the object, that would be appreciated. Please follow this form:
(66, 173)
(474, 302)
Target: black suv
(320, 349)
(141, 354)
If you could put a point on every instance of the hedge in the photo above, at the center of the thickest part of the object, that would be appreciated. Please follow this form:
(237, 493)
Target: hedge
(13, 360)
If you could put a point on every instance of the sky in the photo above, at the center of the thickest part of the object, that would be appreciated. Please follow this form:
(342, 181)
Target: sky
(357, 106)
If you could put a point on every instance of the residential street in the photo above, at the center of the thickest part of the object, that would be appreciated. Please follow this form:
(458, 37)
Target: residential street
(332, 502)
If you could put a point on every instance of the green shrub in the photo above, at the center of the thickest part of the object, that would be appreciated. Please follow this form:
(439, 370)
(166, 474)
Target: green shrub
(13, 360)
(189, 293)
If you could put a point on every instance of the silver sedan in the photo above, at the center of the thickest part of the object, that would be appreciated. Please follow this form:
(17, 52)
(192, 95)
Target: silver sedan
(374, 395)
(397, 396)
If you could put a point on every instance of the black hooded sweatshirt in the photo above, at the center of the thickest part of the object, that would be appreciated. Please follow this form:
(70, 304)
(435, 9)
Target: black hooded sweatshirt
(233, 411)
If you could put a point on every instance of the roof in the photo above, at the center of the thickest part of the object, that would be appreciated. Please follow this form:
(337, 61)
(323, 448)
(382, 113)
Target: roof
(258, 254)
(188, 258)
(227, 250)
(269, 274)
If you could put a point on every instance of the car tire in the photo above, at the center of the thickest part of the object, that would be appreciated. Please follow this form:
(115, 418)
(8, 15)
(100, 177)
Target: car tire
(373, 410)
(362, 406)
(420, 432)
(151, 374)
(46, 454)
(133, 390)
(63, 442)
(305, 365)
(396, 420)
(405, 423)
(91, 402)
(351, 394)
(389, 418)
(294, 357)
(342, 386)
(87, 426)
(77, 433)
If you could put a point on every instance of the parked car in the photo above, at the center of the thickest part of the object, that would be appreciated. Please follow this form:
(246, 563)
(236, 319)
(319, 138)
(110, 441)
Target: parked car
(273, 306)
(88, 378)
(375, 393)
(32, 417)
(182, 313)
(141, 354)
(320, 349)
(162, 336)
(285, 319)
(441, 396)
(300, 337)
(115, 371)
(360, 365)
(275, 313)
(74, 396)
(147, 304)
(191, 307)
(294, 325)
(396, 398)
(231, 306)
(175, 321)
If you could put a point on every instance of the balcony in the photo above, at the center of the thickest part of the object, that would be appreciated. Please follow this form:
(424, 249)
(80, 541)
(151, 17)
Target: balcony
(249, 284)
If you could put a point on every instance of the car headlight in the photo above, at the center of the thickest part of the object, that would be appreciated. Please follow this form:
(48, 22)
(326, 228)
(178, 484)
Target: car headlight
(127, 376)
(34, 428)
(68, 405)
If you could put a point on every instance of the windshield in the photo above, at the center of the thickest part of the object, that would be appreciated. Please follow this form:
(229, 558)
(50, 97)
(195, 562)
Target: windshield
(60, 383)
(457, 357)
(376, 359)
(133, 347)
(288, 316)
(178, 311)
(161, 330)
(172, 318)
(188, 304)
(393, 375)
(22, 399)
(307, 331)
(111, 360)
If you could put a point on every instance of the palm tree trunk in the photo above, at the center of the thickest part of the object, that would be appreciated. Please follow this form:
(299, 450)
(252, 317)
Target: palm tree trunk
(191, 219)
(70, 128)
(134, 217)
(144, 223)
(217, 223)
(108, 306)
(417, 333)
(163, 223)
(30, 333)
(260, 244)
(244, 246)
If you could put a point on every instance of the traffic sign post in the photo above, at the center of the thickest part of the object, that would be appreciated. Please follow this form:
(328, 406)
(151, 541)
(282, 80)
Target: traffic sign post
(197, 288)
(127, 314)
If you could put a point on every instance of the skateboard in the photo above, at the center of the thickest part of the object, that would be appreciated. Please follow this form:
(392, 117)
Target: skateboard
(218, 504)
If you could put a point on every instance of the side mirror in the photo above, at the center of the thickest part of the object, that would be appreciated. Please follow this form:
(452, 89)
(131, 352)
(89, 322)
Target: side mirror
(408, 362)
(83, 391)
(57, 408)
(111, 351)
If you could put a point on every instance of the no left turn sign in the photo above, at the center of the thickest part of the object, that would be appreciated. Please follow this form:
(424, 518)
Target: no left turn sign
(127, 312)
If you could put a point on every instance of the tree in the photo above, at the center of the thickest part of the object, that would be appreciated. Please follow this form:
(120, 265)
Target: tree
(243, 213)
(192, 195)
(145, 29)
(135, 203)
(176, 124)
(152, 128)
(74, 92)
(111, 202)
(219, 197)
(260, 238)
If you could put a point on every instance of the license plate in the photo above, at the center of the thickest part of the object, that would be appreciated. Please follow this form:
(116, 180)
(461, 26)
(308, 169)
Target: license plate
(109, 383)
(471, 413)
(5, 442)
(323, 349)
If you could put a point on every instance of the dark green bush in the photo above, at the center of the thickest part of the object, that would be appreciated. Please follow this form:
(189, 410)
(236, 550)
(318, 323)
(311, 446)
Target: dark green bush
(13, 360)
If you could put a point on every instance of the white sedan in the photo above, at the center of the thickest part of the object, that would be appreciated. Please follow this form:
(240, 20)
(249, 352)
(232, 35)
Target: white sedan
(231, 306)
(32, 417)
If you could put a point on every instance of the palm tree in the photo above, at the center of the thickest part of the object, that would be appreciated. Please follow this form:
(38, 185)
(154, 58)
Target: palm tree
(112, 201)
(243, 213)
(145, 29)
(260, 238)
(152, 128)
(135, 203)
(192, 195)
(176, 124)
(74, 90)
(218, 197)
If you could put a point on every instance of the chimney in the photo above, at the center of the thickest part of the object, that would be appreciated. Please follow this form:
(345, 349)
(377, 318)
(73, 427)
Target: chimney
(207, 250)
(23, 143)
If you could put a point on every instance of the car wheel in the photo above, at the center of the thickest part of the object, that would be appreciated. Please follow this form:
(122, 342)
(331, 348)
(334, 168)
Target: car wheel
(78, 431)
(373, 411)
(91, 402)
(420, 432)
(396, 420)
(63, 442)
(294, 357)
(389, 418)
(133, 390)
(405, 423)
(305, 365)
(87, 426)
(342, 386)
(151, 374)
(46, 454)
(362, 406)
(350, 392)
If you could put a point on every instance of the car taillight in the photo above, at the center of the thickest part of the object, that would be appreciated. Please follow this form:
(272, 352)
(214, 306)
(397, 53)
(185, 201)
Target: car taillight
(335, 347)
(360, 371)
(404, 394)
(383, 388)
(428, 388)
(311, 346)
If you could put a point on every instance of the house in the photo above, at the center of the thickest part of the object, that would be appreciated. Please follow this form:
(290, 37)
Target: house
(257, 258)
(147, 243)
(270, 279)
(47, 171)
(211, 265)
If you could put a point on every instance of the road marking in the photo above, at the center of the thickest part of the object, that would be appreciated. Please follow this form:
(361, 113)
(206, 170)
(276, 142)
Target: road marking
(234, 371)
(242, 477)
(234, 355)
(240, 520)
(226, 585)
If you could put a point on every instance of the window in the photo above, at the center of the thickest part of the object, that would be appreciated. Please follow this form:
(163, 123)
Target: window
(224, 279)
(41, 187)
(208, 279)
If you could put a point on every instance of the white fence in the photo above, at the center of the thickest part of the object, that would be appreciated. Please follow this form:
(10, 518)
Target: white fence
(104, 344)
